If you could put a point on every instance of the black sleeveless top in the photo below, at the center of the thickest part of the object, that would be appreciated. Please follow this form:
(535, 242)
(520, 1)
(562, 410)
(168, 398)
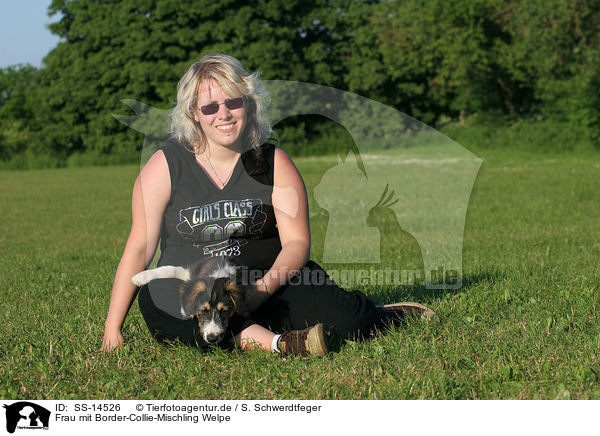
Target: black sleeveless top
(202, 221)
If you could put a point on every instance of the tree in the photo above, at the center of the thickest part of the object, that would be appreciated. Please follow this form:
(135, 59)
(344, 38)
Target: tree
(138, 49)
(555, 47)
(442, 57)
(17, 107)
(432, 59)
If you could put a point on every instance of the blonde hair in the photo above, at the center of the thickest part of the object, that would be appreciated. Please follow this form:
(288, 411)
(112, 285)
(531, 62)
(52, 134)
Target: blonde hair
(229, 73)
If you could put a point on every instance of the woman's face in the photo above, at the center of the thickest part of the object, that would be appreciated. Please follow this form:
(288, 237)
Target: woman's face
(226, 126)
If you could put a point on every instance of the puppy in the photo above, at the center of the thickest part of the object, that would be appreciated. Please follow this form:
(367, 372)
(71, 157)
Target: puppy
(211, 292)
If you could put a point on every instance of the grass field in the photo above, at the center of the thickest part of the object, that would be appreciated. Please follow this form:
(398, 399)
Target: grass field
(523, 326)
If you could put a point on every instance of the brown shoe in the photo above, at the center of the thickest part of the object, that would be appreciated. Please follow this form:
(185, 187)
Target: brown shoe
(410, 309)
(303, 342)
(396, 313)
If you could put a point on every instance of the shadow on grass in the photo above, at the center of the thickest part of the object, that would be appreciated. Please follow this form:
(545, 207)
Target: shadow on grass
(419, 292)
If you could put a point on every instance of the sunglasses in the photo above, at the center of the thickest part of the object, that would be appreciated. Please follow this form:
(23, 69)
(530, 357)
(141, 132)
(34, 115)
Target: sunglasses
(231, 104)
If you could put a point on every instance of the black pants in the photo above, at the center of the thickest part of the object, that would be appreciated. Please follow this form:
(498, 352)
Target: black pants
(306, 300)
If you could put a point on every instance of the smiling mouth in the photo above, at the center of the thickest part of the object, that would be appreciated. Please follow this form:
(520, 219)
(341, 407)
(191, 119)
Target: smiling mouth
(226, 128)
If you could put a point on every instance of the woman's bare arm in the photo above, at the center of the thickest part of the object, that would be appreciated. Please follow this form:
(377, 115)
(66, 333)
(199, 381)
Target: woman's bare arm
(291, 212)
(151, 193)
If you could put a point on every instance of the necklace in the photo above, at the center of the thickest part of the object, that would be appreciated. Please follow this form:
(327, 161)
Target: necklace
(215, 172)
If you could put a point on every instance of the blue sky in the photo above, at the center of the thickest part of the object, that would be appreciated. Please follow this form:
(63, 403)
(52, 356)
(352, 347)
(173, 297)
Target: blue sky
(24, 37)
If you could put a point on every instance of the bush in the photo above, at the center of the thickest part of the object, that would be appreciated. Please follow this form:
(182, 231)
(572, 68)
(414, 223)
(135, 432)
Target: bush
(546, 135)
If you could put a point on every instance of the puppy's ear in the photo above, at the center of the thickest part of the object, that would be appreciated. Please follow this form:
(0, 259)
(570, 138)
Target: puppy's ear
(239, 295)
(189, 295)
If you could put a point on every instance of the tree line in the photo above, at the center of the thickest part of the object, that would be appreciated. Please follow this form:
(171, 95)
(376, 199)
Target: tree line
(436, 60)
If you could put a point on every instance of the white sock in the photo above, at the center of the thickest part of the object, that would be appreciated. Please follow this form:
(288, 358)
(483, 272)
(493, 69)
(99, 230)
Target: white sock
(274, 346)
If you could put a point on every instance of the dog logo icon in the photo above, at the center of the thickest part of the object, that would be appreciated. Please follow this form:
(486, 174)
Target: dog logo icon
(26, 415)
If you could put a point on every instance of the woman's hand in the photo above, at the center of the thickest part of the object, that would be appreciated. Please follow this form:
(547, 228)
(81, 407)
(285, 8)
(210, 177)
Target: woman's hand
(256, 297)
(112, 339)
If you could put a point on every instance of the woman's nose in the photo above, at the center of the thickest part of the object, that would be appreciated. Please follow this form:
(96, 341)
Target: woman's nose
(224, 111)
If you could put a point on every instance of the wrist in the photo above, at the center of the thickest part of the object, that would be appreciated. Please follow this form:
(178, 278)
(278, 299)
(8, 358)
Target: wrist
(112, 326)
(266, 290)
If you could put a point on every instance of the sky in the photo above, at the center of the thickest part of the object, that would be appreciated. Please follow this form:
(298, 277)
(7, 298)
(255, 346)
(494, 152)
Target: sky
(24, 37)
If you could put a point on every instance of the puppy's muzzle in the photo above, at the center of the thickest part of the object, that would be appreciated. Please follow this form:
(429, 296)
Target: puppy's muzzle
(213, 338)
(213, 332)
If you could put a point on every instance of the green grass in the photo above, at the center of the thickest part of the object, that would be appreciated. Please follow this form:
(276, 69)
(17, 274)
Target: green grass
(523, 326)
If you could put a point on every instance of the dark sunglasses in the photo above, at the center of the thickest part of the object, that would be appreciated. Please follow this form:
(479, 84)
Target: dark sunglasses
(232, 103)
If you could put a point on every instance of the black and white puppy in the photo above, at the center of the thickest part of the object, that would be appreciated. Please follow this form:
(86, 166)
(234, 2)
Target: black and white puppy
(212, 292)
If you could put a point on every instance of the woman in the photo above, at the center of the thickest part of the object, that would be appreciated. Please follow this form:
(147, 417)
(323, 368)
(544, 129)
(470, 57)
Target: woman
(219, 188)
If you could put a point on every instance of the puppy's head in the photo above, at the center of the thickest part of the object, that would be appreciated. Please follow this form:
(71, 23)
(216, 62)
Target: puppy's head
(213, 303)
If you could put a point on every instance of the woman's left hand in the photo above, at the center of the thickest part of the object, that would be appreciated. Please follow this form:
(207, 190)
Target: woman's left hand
(256, 297)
